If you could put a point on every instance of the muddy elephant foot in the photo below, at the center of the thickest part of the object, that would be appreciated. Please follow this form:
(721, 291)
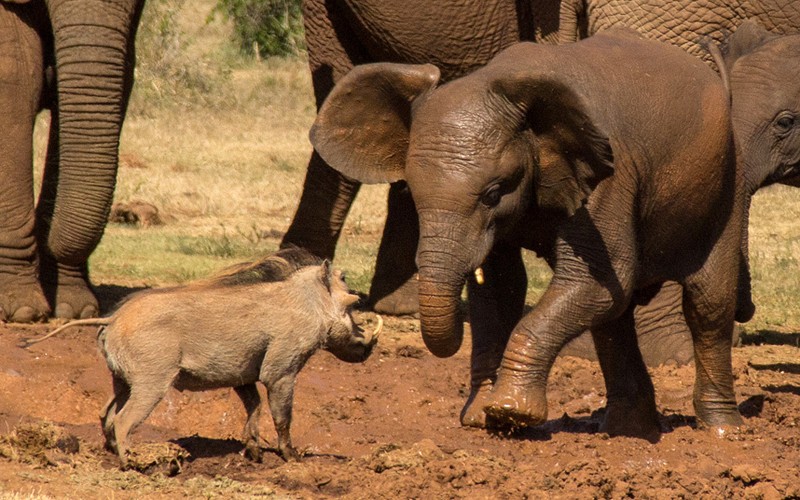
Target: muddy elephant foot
(634, 419)
(68, 290)
(22, 300)
(399, 301)
(511, 406)
(473, 414)
(717, 416)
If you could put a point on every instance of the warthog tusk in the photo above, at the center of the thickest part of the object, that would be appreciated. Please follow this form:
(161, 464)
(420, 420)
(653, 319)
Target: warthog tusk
(378, 329)
(479, 276)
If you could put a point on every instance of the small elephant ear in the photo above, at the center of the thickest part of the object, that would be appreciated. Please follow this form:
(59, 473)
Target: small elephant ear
(572, 154)
(748, 37)
(362, 128)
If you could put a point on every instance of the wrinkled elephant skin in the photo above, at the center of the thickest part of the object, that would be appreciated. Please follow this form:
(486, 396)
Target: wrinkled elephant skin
(575, 151)
(76, 58)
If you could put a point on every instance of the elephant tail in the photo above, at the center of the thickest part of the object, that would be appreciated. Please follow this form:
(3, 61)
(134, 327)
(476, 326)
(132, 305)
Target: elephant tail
(78, 322)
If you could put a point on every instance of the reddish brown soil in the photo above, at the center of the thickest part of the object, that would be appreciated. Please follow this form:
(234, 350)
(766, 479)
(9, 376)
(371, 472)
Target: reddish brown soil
(389, 428)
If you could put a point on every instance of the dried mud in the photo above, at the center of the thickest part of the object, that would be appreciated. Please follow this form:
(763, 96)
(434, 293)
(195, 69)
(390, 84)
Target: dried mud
(389, 428)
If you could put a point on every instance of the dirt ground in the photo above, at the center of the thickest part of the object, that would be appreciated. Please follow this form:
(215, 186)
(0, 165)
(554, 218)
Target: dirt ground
(389, 428)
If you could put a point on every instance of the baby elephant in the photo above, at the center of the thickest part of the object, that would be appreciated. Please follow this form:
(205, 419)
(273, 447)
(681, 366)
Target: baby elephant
(229, 331)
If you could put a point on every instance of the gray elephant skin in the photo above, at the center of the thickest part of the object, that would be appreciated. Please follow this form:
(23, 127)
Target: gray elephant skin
(520, 154)
(76, 58)
(688, 24)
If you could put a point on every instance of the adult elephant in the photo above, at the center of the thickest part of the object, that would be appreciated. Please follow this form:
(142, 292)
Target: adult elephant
(75, 57)
(689, 24)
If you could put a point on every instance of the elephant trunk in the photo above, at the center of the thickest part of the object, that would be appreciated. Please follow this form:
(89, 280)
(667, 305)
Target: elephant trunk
(442, 275)
(93, 44)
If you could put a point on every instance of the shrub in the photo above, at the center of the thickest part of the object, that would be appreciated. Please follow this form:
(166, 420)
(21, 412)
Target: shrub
(265, 27)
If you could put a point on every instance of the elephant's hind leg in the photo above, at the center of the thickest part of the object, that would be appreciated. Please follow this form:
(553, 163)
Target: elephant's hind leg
(709, 303)
(631, 407)
(394, 288)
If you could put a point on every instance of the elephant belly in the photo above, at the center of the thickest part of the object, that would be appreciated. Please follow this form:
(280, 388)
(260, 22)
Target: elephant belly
(455, 37)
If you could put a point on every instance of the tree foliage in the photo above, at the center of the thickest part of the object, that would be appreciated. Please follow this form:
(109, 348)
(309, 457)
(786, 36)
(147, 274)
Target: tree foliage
(265, 27)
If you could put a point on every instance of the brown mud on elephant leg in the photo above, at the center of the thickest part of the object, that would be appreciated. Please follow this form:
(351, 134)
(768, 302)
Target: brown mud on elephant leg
(631, 402)
(494, 308)
(21, 83)
(519, 397)
(394, 288)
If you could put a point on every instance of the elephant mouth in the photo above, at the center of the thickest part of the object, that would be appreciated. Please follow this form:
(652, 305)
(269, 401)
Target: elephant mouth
(788, 174)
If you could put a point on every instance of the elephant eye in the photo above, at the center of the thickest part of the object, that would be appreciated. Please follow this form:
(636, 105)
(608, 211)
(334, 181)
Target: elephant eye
(784, 123)
(491, 197)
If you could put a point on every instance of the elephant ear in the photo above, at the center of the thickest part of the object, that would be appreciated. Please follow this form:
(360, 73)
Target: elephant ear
(572, 154)
(362, 128)
(748, 37)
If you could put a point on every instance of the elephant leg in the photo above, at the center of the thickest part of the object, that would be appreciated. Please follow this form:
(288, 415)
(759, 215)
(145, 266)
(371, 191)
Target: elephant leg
(21, 82)
(664, 337)
(394, 287)
(66, 286)
(519, 397)
(631, 404)
(495, 307)
(324, 205)
(661, 328)
(709, 303)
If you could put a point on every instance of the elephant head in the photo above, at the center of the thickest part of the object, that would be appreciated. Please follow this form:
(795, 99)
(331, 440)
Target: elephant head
(761, 72)
(480, 155)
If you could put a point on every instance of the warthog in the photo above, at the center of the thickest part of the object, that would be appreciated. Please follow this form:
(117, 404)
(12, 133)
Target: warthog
(258, 321)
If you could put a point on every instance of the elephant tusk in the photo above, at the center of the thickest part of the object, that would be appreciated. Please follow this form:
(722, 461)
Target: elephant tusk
(479, 276)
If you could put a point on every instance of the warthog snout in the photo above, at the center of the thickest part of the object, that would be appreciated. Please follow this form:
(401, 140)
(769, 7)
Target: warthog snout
(359, 344)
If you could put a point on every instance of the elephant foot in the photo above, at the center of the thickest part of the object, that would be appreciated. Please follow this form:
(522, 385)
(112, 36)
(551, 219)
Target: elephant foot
(473, 415)
(634, 419)
(717, 416)
(403, 300)
(22, 300)
(71, 295)
(510, 407)
(669, 346)
(76, 303)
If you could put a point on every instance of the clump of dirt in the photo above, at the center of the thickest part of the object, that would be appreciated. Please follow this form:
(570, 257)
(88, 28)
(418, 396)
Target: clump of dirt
(136, 213)
(157, 458)
(42, 444)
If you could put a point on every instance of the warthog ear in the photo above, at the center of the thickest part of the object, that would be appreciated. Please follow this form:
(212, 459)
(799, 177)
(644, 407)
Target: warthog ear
(362, 129)
(571, 153)
(326, 274)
